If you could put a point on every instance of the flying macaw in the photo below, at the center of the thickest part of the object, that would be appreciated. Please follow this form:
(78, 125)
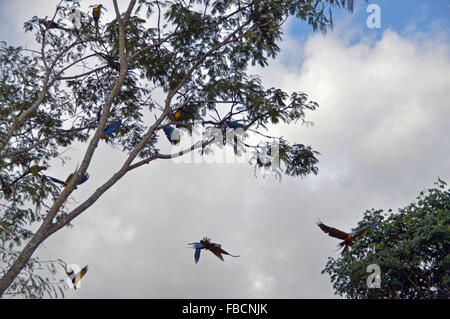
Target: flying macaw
(206, 243)
(76, 277)
(348, 238)
(173, 135)
(96, 16)
(111, 128)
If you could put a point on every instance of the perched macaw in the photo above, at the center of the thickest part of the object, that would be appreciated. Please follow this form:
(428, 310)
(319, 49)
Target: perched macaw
(6, 188)
(99, 114)
(68, 179)
(96, 16)
(33, 170)
(76, 277)
(50, 24)
(235, 125)
(176, 115)
(206, 243)
(36, 169)
(111, 128)
(348, 238)
(173, 135)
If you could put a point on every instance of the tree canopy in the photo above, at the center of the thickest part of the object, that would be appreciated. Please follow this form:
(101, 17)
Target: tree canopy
(411, 248)
(91, 80)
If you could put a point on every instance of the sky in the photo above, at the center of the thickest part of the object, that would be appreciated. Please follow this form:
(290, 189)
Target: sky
(382, 129)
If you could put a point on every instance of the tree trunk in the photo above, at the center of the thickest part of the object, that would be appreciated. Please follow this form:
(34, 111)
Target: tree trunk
(23, 258)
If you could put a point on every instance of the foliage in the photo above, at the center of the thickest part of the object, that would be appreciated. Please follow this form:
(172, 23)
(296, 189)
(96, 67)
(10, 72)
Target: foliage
(411, 247)
(77, 81)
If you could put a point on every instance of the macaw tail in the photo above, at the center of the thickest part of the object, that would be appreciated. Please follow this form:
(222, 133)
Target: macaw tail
(376, 224)
(55, 180)
(96, 29)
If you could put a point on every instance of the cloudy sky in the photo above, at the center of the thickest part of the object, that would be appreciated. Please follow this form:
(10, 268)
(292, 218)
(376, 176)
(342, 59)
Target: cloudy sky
(382, 129)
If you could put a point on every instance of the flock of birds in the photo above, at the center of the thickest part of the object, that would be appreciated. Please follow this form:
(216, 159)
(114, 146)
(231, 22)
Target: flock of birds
(218, 251)
(174, 137)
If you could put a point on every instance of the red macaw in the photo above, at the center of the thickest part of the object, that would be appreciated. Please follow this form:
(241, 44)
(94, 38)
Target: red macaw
(76, 277)
(348, 238)
(206, 243)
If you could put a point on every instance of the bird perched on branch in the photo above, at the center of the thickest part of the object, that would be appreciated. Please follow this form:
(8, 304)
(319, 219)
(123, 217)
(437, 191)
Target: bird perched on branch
(348, 238)
(68, 179)
(173, 135)
(36, 169)
(49, 24)
(206, 243)
(6, 188)
(235, 126)
(111, 128)
(96, 15)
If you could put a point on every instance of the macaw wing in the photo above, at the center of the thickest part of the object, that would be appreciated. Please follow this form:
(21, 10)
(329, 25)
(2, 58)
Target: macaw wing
(226, 253)
(217, 251)
(79, 276)
(84, 179)
(69, 178)
(333, 232)
(83, 271)
(235, 125)
(99, 114)
(197, 245)
(363, 230)
(112, 127)
(197, 254)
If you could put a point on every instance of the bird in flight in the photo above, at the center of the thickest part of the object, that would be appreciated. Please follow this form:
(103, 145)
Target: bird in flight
(206, 243)
(75, 278)
(348, 238)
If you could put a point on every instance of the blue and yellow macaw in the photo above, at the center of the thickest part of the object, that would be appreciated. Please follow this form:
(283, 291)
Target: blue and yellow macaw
(173, 135)
(68, 179)
(96, 15)
(6, 188)
(176, 116)
(234, 125)
(75, 278)
(111, 128)
(206, 243)
(50, 24)
(36, 169)
(348, 238)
